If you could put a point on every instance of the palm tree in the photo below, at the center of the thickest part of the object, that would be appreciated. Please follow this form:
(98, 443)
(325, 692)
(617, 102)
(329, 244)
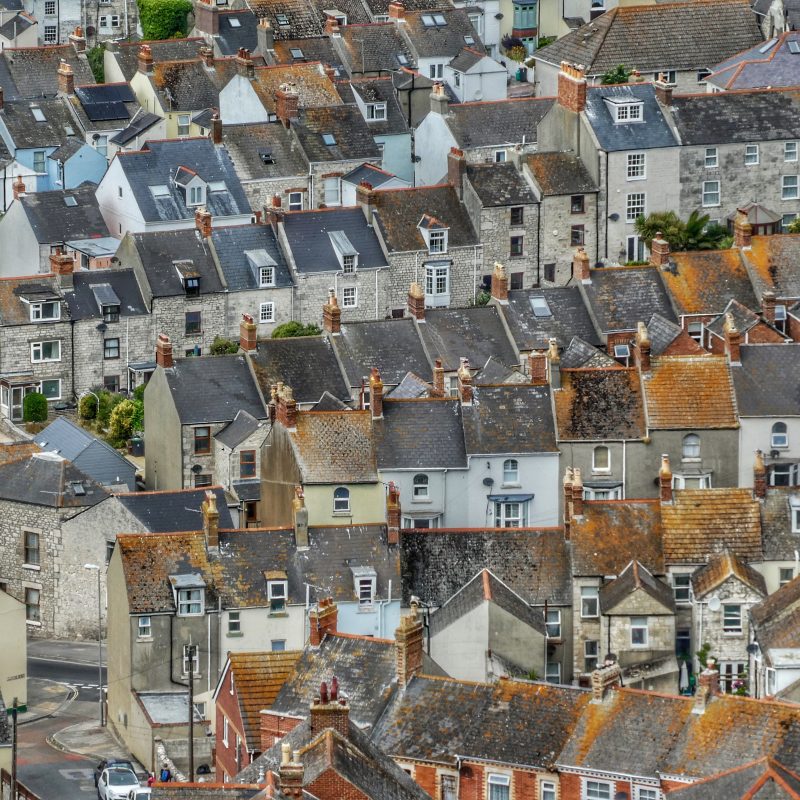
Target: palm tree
(693, 234)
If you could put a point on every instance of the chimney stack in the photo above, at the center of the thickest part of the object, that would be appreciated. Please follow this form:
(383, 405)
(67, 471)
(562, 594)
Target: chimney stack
(663, 90)
(500, 284)
(202, 221)
(367, 198)
(580, 266)
(206, 17)
(707, 687)
(408, 646)
(768, 303)
(759, 477)
(248, 339)
(439, 101)
(554, 362)
(287, 103)
(78, 40)
(572, 87)
(164, 351)
(397, 11)
(244, 64)
(264, 37)
(329, 710)
(207, 54)
(733, 340)
(66, 78)
(465, 389)
(438, 379)
(322, 620)
(659, 251)
(665, 480)
(537, 367)
(210, 519)
(216, 129)
(604, 679)
(416, 302)
(643, 347)
(145, 59)
(300, 518)
(285, 405)
(19, 187)
(567, 488)
(742, 230)
(63, 265)
(375, 394)
(331, 27)
(332, 314)
(456, 168)
(393, 514)
(577, 493)
(290, 772)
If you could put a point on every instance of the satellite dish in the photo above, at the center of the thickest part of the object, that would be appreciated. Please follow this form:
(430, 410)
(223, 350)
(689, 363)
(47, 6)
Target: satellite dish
(714, 603)
(752, 648)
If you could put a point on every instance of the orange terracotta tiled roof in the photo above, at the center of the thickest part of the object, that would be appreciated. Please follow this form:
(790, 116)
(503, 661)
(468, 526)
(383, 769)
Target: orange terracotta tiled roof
(17, 451)
(690, 392)
(772, 261)
(722, 566)
(314, 87)
(258, 677)
(704, 521)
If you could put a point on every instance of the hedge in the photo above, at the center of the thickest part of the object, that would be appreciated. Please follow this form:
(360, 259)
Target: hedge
(163, 19)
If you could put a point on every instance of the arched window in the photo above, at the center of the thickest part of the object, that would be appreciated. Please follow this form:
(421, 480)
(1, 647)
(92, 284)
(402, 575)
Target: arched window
(691, 446)
(601, 459)
(780, 435)
(510, 471)
(420, 487)
(341, 500)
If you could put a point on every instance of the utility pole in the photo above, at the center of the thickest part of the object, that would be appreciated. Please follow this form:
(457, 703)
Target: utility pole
(14, 750)
(192, 650)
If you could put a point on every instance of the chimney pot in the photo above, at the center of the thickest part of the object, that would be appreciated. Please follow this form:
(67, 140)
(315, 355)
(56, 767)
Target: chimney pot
(456, 168)
(248, 337)
(62, 265)
(66, 78)
(416, 302)
(577, 493)
(537, 367)
(210, 519)
(145, 59)
(465, 389)
(393, 514)
(78, 40)
(439, 101)
(332, 314)
(300, 517)
(768, 303)
(554, 363)
(604, 679)
(707, 687)
(663, 90)
(397, 11)
(285, 406)
(329, 711)
(216, 129)
(264, 37)
(376, 394)
(659, 251)
(287, 103)
(742, 230)
(643, 347)
(438, 379)
(367, 198)
(202, 221)
(665, 479)
(408, 646)
(733, 340)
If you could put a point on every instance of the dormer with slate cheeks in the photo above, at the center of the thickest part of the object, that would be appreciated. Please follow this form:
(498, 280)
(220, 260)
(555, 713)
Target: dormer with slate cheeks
(188, 593)
(189, 276)
(107, 302)
(194, 188)
(625, 109)
(346, 254)
(263, 266)
(435, 234)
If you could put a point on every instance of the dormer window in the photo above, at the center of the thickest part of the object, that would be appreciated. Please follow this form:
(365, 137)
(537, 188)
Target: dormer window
(345, 252)
(364, 580)
(625, 110)
(49, 311)
(349, 264)
(437, 241)
(434, 232)
(195, 196)
(192, 186)
(191, 286)
(266, 276)
(376, 112)
(189, 594)
(277, 594)
(110, 313)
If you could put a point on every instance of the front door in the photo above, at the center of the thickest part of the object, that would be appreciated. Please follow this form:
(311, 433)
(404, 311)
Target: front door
(17, 397)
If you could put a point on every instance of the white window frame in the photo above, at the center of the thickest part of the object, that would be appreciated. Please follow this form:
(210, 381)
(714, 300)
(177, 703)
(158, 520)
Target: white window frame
(144, 627)
(751, 155)
(679, 481)
(266, 277)
(266, 313)
(711, 158)
(547, 790)
(511, 514)
(436, 71)
(690, 447)
(36, 311)
(501, 782)
(640, 624)
(278, 596)
(711, 194)
(435, 275)
(332, 191)
(727, 628)
(790, 151)
(682, 587)
(553, 626)
(552, 672)
(628, 112)
(187, 598)
(295, 201)
(437, 242)
(225, 725)
(636, 166)
(511, 472)
(593, 789)
(646, 793)
(635, 206)
(602, 493)
(349, 297)
(590, 595)
(195, 658)
(365, 591)
(50, 34)
(37, 350)
(790, 187)
(341, 504)
(500, 156)
(783, 579)
(349, 263)
(50, 380)
(779, 440)
(376, 112)
(595, 466)
(196, 196)
(234, 629)
(184, 126)
(591, 657)
(50, 8)
(420, 488)
(36, 562)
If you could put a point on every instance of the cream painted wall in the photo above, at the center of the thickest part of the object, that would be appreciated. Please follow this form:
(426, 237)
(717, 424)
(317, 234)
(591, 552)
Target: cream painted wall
(14, 654)
(367, 504)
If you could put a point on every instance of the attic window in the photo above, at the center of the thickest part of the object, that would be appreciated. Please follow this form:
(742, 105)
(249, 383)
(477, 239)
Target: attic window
(626, 111)
(469, 40)
(78, 489)
(234, 23)
(364, 579)
(540, 307)
(794, 47)
(70, 201)
(217, 186)
(402, 59)
(191, 286)
(437, 241)
(69, 130)
(277, 594)
(159, 190)
(38, 114)
(282, 20)
(439, 19)
(296, 52)
(111, 313)
(266, 156)
(328, 139)
(427, 21)
(376, 112)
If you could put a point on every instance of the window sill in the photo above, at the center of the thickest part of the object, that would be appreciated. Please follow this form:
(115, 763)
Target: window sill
(342, 513)
(144, 639)
(272, 615)
(193, 334)
(234, 635)
(510, 485)
(33, 623)
(600, 471)
(367, 608)
(421, 500)
(34, 567)
(732, 634)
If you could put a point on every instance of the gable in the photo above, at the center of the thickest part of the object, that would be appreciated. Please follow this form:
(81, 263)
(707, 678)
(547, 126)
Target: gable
(638, 603)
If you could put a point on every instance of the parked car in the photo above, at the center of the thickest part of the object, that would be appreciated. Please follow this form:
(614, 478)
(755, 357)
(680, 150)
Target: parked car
(116, 783)
(142, 793)
(111, 762)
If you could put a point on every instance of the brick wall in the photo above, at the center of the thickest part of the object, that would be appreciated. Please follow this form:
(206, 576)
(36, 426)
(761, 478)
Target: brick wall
(227, 707)
(274, 727)
(331, 785)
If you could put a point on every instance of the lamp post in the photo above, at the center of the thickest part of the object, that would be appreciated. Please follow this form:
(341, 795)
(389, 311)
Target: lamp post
(96, 569)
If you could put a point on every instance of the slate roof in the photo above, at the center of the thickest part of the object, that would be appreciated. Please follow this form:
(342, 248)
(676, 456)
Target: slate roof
(436, 718)
(159, 161)
(420, 434)
(771, 262)
(13, 310)
(315, 48)
(667, 338)
(409, 388)
(248, 144)
(499, 185)
(313, 85)
(378, 90)
(345, 123)
(534, 564)
(329, 403)
(308, 365)
(600, 404)
(514, 419)
(560, 174)
(236, 431)
(188, 85)
(303, 19)
(765, 779)
(174, 510)
(233, 242)
(16, 25)
(142, 121)
(719, 568)
(473, 333)
(232, 37)
(700, 522)
(52, 220)
(778, 540)
(768, 382)
(32, 71)
(579, 353)
(499, 122)
(126, 54)
(382, 42)
(634, 578)
(47, 479)
(620, 297)
(727, 117)
(752, 69)
(399, 212)
(83, 303)
(227, 388)
(439, 41)
(15, 451)
(652, 132)
(776, 619)
(26, 132)
(569, 318)
(335, 447)
(393, 346)
(682, 36)
(684, 392)
(373, 175)
(312, 250)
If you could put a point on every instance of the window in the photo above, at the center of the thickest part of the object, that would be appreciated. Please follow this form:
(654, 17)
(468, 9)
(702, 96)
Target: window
(730, 672)
(639, 637)
(712, 158)
(627, 112)
(691, 481)
(577, 204)
(552, 672)
(790, 151)
(184, 123)
(348, 263)
(670, 76)
(194, 321)
(499, 787)
(332, 192)
(341, 500)
(202, 479)
(50, 34)
(702, 74)
(266, 313)
(511, 472)
(111, 348)
(635, 206)
(691, 447)
(295, 201)
(589, 601)
(278, 645)
(780, 318)
(682, 587)
(789, 187)
(695, 330)
(191, 286)
(111, 383)
(436, 71)
(191, 659)
(38, 161)
(597, 790)
(247, 464)
(109, 550)
(190, 602)
(524, 15)
(49, 8)
(732, 618)
(516, 281)
(645, 793)
(795, 519)
(636, 166)
(785, 574)
(437, 281)
(349, 297)
(45, 312)
(750, 154)
(448, 787)
(145, 629)
(202, 440)
(547, 790)
(45, 351)
(366, 591)
(517, 246)
(266, 276)
(780, 436)
(225, 731)
(517, 216)
(110, 313)
(622, 353)
(277, 594)
(420, 487)
(437, 242)
(601, 459)
(282, 20)
(784, 475)
(32, 608)
(499, 156)
(710, 193)
(577, 236)
(609, 493)
(376, 112)
(234, 629)
(553, 623)
(510, 515)
(195, 195)
(591, 653)
(31, 548)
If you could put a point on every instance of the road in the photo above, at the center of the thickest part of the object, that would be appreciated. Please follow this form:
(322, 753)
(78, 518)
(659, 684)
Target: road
(82, 676)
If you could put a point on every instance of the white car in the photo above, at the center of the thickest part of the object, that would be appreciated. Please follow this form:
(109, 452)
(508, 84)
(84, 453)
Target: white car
(142, 793)
(116, 783)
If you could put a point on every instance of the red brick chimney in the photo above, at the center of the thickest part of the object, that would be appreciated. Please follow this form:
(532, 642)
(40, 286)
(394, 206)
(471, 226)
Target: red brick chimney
(66, 78)
(393, 513)
(300, 518)
(19, 187)
(367, 198)
(665, 480)
(707, 687)
(438, 379)
(408, 646)
(567, 488)
(456, 167)
(500, 283)
(322, 619)
(416, 302)
(375, 394)
(145, 59)
(285, 405)
(742, 230)
(580, 266)
(329, 710)
(210, 519)
(659, 251)
(465, 389)
(768, 303)
(287, 103)
(206, 17)
(537, 367)
(216, 129)
(164, 351)
(643, 347)
(63, 265)
(78, 40)
(244, 63)
(248, 340)
(397, 11)
(290, 772)
(759, 477)
(331, 26)
(663, 90)
(207, 54)
(332, 314)
(577, 493)
(733, 340)
(572, 87)
(202, 221)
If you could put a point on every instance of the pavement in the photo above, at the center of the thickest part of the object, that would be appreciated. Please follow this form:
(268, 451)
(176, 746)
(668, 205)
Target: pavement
(83, 652)
(89, 740)
(45, 699)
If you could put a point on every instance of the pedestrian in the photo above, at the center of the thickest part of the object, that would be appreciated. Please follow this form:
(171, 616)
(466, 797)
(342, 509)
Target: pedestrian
(166, 775)
(151, 779)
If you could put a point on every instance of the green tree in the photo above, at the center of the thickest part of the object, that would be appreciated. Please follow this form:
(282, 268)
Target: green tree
(620, 74)
(95, 57)
(34, 407)
(163, 19)
(693, 234)
(120, 425)
(292, 329)
(87, 407)
(108, 401)
(794, 225)
(221, 346)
